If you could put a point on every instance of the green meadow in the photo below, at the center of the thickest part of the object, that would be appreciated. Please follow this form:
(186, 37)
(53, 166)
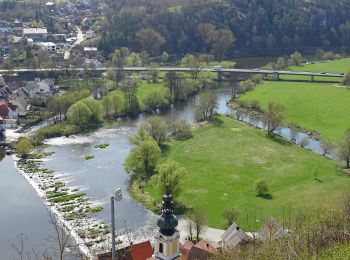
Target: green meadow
(226, 158)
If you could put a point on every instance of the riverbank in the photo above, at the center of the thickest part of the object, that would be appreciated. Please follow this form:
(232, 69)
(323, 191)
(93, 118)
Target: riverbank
(71, 207)
(225, 159)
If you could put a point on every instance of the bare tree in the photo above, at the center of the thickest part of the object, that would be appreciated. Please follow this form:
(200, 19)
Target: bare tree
(199, 220)
(20, 248)
(304, 142)
(190, 228)
(344, 148)
(326, 146)
(293, 132)
(62, 237)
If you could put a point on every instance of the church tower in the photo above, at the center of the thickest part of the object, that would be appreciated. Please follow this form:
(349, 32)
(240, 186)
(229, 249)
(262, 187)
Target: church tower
(167, 240)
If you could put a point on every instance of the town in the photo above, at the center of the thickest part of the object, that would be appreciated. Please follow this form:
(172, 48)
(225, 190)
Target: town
(174, 129)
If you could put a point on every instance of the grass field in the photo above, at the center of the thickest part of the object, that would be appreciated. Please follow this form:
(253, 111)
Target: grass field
(224, 161)
(336, 66)
(320, 107)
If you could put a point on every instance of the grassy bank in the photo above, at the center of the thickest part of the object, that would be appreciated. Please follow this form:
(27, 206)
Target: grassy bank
(225, 159)
(319, 107)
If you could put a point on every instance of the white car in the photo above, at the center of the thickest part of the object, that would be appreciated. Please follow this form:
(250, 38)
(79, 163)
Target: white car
(217, 68)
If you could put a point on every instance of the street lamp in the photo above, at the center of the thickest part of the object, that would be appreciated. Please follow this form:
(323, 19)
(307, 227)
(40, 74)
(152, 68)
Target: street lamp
(116, 197)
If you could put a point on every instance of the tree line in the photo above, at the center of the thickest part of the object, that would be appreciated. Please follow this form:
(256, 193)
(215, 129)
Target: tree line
(218, 27)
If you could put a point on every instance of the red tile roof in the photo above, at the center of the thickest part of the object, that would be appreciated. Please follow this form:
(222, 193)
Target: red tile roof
(141, 251)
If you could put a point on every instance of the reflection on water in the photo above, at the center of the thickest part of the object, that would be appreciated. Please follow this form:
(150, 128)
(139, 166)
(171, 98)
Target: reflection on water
(2, 154)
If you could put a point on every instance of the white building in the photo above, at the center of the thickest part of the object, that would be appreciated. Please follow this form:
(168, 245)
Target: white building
(90, 34)
(37, 34)
(48, 46)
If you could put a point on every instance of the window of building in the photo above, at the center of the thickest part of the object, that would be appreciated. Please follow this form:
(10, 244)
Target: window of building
(161, 248)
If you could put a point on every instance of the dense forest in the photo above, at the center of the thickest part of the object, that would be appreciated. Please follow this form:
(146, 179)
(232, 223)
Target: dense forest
(250, 26)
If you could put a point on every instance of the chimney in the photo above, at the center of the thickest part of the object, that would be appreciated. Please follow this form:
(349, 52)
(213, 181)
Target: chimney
(237, 228)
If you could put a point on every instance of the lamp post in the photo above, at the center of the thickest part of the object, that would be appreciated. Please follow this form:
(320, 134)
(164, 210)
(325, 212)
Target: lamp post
(116, 197)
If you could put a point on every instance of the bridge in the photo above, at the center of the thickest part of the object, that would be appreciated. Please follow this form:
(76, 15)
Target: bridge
(275, 73)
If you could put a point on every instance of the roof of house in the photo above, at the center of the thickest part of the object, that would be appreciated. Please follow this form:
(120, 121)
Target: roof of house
(201, 250)
(198, 254)
(205, 245)
(271, 229)
(233, 235)
(34, 31)
(140, 251)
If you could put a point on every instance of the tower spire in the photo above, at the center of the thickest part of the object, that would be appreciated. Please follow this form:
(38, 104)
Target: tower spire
(167, 240)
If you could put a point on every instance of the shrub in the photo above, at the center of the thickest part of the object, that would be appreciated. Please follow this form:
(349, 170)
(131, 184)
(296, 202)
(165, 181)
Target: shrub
(262, 188)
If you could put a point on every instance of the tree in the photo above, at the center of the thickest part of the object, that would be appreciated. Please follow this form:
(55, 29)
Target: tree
(192, 62)
(143, 158)
(140, 136)
(95, 108)
(155, 99)
(171, 81)
(169, 176)
(293, 132)
(304, 142)
(180, 129)
(79, 114)
(273, 117)
(221, 40)
(281, 63)
(165, 57)
(23, 147)
(118, 104)
(153, 73)
(295, 59)
(346, 79)
(262, 188)
(206, 105)
(326, 146)
(230, 215)
(344, 148)
(199, 219)
(150, 40)
(157, 128)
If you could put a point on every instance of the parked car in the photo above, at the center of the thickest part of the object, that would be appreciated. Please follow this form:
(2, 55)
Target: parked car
(217, 68)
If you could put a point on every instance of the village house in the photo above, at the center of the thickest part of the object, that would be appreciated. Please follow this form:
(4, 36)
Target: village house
(8, 110)
(47, 46)
(89, 34)
(36, 34)
(271, 230)
(234, 236)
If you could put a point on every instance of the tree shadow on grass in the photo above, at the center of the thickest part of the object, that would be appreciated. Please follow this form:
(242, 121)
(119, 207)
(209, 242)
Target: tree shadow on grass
(265, 196)
(216, 121)
(277, 139)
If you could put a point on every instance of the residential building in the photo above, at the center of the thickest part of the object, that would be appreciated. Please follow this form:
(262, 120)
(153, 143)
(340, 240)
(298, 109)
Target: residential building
(141, 251)
(234, 236)
(201, 250)
(271, 230)
(48, 46)
(8, 110)
(92, 63)
(37, 34)
(89, 34)
(10, 123)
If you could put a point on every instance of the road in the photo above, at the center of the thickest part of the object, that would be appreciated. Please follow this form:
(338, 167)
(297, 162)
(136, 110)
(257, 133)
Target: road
(80, 39)
(181, 69)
